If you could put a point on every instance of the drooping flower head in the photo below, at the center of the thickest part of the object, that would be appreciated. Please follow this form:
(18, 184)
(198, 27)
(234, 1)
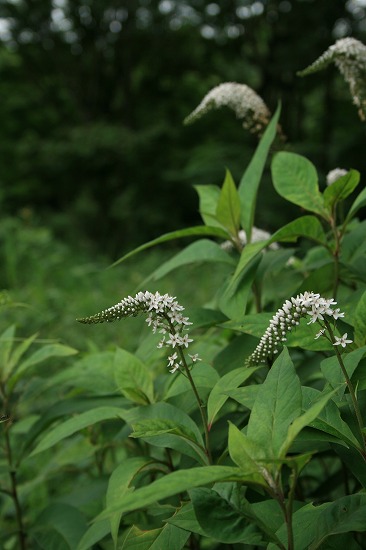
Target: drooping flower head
(349, 56)
(164, 315)
(245, 102)
(288, 317)
(335, 174)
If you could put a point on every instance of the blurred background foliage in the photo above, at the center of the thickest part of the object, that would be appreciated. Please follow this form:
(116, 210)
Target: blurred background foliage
(94, 92)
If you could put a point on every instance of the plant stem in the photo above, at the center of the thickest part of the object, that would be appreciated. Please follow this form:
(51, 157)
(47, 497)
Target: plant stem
(200, 405)
(351, 390)
(335, 254)
(13, 490)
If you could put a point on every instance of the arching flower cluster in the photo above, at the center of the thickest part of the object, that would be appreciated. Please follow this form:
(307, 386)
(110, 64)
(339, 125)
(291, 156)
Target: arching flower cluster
(164, 315)
(288, 317)
(245, 102)
(349, 56)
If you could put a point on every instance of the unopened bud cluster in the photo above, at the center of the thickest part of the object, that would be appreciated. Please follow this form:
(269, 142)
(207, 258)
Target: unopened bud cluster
(164, 315)
(288, 317)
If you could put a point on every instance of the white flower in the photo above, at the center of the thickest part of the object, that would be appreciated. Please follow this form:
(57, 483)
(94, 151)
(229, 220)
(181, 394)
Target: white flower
(258, 235)
(335, 174)
(172, 359)
(246, 104)
(349, 56)
(337, 313)
(194, 357)
(342, 341)
(174, 340)
(319, 334)
(184, 340)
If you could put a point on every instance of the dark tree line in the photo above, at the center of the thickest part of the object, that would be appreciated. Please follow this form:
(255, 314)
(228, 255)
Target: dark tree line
(94, 94)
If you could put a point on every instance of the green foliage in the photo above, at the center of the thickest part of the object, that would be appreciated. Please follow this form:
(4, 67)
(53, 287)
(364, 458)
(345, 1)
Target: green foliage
(254, 437)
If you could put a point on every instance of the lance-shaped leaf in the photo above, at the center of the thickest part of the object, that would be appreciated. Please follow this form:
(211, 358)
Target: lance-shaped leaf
(360, 321)
(228, 206)
(249, 184)
(173, 484)
(247, 454)
(277, 405)
(198, 231)
(168, 536)
(332, 370)
(359, 202)
(208, 199)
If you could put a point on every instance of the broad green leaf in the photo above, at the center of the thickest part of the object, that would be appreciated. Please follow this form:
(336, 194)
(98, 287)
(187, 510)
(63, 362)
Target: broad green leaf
(360, 321)
(277, 405)
(228, 206)
(43, 353)
(329, 419)
(305, 226)
(221, 520)
(254, 324)
(202, 317)
(295, 179)
(219, 396)
(344, 515)
(359, 202)
(198, 231)
(340, 189)
(118, 485)
(169, 537)
(133, 378)
(304, 522)
(208, 199)
(332, 370)
(249, 184)
(246, 454)
(67, 521)
(245, 396)
(16, 355)
(75, 424)
(95, 533)
(198, 252)
(172, 484)
(185, 518)
(304, 420)
(165, 411)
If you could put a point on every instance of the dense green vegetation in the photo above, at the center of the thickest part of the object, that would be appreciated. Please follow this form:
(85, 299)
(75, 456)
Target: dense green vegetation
(237, 422)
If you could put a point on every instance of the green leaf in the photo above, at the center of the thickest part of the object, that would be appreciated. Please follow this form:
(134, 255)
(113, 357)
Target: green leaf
(75, 424)
(6, 345)
(306, 226)
(171, 484)
(208, 199)
(246, 454)
(332, 370)
(250, 181)
(360, 321)
(43, 353)
(342, 516)
(221, 520)
(200, 251)
(219, 396)
(295, 179)
(133, 378)
(228, 206)
(118, 485)
(329, 419)
(16, 355)
(340, 189)
(198, 231)
(169, 536)
(359, 202)
(204, 376)
(185, 518)
(304, 420)
(250, 251)
(95, 533)
(245, 396)
(277, 405)
(254, 324)
(150, 428)
(233, 296)
(67, 521)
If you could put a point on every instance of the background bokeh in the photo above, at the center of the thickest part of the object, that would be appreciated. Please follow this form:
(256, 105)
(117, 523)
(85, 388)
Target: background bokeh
(94, 92)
